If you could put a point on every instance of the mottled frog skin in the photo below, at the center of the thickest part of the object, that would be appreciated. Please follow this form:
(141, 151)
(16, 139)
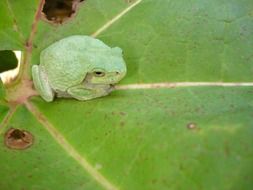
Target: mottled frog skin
(78, 66)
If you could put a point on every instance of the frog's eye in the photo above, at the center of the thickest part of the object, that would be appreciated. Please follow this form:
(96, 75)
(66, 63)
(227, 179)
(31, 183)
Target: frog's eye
(99, 73)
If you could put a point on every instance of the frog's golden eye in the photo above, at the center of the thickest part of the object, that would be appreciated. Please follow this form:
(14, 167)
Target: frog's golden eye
(99, 73)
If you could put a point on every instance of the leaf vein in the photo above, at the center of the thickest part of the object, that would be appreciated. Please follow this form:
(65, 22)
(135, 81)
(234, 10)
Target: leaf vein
(116, 18)
(7, 118)
(15, 25)
(181, 84)
(69, 148)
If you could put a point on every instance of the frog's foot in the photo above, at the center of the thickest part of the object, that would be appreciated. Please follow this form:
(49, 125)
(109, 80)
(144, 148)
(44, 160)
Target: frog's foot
(80, 92)
(41, 84)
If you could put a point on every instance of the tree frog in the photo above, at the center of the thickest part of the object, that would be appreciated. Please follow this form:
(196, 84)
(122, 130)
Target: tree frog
(79, 67)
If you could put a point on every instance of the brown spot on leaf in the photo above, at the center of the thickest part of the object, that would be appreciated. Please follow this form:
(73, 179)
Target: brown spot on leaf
(30, 176)
(122, 113)
(122, 123)
(129, 1)
(59, 11)
(18, 139)
(226, 149)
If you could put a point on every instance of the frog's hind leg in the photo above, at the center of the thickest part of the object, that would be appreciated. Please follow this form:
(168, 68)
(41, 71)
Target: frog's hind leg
(41, 83)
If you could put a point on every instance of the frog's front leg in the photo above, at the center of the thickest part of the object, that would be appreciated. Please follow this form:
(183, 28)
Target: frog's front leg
(41, 83)
(81, 92)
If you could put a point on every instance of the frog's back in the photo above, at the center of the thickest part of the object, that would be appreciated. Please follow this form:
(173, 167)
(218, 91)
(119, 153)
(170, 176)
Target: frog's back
(67, 61)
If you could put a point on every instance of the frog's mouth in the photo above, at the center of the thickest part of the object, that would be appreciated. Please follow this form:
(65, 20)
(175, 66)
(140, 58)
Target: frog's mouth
(112, 86)
(107, 79)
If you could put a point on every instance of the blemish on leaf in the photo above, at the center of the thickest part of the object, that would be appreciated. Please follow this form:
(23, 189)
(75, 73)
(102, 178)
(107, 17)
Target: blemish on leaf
(122, 113)
(122, 123)
(129, 1)
(98, 166)
(18, 139)
(59, 11)
(154, 181)
(226, 149)
(15, 26)
(191, 126)
(30, 176)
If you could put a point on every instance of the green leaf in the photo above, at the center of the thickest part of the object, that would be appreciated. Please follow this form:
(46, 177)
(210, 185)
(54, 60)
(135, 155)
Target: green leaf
(45, 165)
(16, 23)
(144, 142)
(2, 91)
(180, 119)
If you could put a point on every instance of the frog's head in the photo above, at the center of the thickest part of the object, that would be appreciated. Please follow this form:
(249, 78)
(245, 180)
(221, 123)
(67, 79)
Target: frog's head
(108, 68)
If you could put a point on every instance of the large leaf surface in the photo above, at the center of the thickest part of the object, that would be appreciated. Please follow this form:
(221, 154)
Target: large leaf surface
(153, 138)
